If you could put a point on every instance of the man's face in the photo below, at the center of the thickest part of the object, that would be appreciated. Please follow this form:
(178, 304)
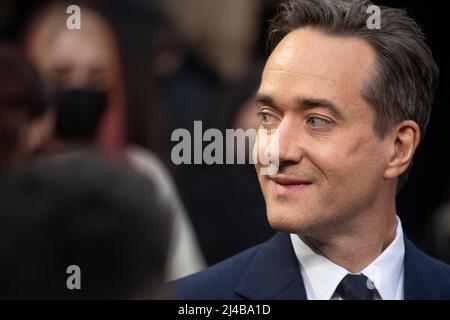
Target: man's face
(331, 162)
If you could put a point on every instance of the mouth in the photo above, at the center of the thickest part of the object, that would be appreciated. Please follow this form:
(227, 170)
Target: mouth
(284, 185)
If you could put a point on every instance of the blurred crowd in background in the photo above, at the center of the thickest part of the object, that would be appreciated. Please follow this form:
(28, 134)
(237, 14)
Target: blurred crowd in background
(86, 118)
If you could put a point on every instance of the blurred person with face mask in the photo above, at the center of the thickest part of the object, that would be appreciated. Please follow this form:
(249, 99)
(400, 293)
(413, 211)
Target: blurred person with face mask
(81, 73)
(84, 73)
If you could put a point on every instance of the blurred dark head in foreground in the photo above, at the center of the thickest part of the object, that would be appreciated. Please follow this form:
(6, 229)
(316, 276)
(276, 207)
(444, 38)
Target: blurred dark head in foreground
(79, 210)
(25, 115)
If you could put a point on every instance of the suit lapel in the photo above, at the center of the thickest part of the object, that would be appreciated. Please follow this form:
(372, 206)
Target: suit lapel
(274, 272)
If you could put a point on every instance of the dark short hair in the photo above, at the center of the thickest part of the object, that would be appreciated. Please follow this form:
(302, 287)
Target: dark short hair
(405, 78)
(81, 210)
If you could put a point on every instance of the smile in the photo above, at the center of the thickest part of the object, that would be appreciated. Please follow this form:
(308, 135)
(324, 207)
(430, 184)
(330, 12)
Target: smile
(284, 185)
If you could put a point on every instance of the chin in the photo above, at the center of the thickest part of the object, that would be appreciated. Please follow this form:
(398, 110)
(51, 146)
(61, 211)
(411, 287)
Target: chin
(288, 220)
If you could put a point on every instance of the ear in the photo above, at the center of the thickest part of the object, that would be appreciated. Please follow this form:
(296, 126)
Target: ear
(405, 139)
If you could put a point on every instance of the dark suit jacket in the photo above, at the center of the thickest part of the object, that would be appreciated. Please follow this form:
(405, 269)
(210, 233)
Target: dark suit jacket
(270, 271)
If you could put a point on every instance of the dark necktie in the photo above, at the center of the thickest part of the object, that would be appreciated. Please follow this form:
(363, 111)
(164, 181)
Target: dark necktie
(356, 287)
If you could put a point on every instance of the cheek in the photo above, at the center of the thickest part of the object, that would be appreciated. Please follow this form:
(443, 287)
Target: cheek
(327, 157)
(348, 160)
(367, 154)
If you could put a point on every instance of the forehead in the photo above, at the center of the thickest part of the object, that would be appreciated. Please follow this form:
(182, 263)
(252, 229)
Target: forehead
(309, 63)
(53, 44)
(79, 47)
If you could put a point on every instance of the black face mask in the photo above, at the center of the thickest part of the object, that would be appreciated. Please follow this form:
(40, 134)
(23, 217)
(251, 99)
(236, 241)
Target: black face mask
(78, 112)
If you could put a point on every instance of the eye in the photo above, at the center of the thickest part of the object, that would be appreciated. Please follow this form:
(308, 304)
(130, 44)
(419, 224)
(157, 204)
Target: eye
(265, 117)
(317, 122)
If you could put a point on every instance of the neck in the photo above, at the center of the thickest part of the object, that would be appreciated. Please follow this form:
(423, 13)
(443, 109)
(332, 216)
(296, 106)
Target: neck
(358, 243)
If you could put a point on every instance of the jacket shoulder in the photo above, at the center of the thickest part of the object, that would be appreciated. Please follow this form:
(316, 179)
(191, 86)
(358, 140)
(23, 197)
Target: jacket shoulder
(427, 275)
(217, 282)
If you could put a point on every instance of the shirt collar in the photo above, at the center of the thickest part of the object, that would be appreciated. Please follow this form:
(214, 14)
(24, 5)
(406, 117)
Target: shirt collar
(322, 276)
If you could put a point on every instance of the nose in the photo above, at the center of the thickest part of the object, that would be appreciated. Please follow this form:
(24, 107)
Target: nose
(289, 142)
(280, 147)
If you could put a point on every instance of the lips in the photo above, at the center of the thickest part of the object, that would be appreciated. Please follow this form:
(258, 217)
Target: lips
(284, 185)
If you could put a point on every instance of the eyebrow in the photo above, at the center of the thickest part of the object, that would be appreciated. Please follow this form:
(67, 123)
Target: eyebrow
(303, 103)
(311, 103)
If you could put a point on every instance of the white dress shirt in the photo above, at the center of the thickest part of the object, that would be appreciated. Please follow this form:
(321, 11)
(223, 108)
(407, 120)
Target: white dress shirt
(322, 276)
